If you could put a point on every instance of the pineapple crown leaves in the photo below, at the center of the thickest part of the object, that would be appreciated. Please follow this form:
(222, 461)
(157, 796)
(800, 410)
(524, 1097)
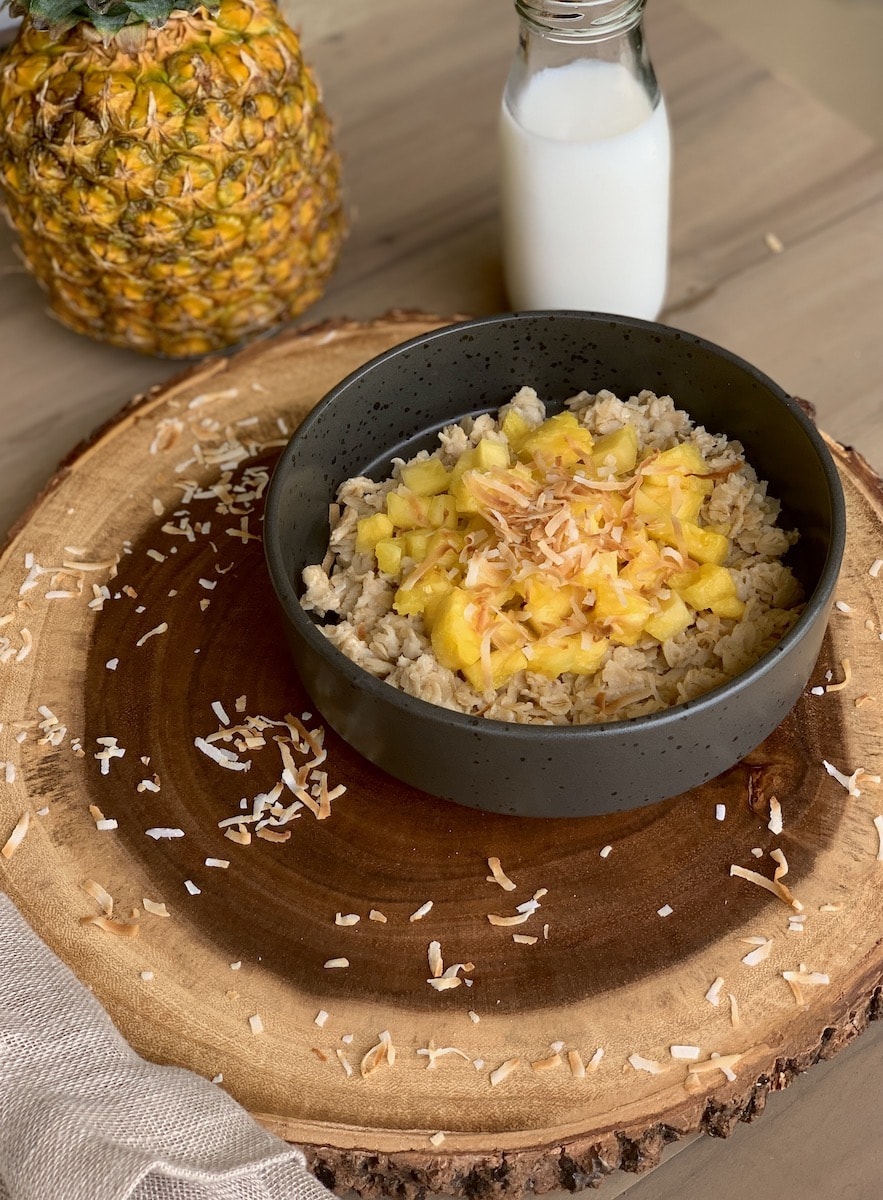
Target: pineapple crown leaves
(107, 17)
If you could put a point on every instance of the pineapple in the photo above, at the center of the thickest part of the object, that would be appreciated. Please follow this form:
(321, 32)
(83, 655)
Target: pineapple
(169, 169)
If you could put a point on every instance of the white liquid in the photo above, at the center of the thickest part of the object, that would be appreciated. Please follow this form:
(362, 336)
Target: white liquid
(585, 192)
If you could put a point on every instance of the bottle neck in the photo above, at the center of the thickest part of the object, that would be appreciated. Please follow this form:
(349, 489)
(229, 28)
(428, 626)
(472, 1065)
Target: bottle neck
(580, 20)
(554, 33)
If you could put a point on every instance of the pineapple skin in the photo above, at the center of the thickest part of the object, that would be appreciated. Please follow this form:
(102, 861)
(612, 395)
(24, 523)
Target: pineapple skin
(177, 198)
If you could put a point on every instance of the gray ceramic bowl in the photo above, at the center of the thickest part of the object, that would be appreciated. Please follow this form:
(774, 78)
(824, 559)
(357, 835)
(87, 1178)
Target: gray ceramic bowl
(395, 405)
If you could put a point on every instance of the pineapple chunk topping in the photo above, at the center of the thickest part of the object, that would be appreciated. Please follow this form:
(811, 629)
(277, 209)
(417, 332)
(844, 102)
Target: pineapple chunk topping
(542, 549)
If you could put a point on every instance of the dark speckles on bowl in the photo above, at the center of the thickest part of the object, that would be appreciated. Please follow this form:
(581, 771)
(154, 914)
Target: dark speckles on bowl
(395, 405)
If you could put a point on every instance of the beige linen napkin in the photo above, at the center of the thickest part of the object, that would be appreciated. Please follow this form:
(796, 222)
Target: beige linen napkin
(82, 1117)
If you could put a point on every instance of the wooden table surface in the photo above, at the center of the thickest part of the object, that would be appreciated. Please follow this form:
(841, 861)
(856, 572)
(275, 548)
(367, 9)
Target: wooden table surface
(415, 95)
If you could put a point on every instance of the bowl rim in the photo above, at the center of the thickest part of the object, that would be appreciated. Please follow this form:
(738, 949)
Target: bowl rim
(492, 727)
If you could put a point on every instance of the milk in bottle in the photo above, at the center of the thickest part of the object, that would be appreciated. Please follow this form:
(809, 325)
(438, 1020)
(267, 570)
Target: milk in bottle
(585, 162)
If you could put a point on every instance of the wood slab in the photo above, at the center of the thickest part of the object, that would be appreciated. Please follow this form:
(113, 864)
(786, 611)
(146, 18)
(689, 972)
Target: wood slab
(606, 971)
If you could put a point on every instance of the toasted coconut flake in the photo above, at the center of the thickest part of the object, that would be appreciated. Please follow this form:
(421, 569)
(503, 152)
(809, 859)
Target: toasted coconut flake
(320, 1018)
(778, 857)
(595, 1061)
(27, 643)
(546, 1064)
(878, 825)
(874, 568)
(650, 1065)
(576, 1064)
(437, 1139)
(17, 836)
(155, 632)
(148, 785)
(256, 1024)
(421, 912)
(157, 909)
(842, 606)
(100, 895)
(720, 1062)
(336, 963)
(123, 929)
(432, 1053)
(713, 995)
(241, 836)
(224, 758)
(498, 875)
(518, 919)
(735, 1019)
(773, 243)
(346, 918)
(436, 962)
(273, 835)
(473, 1016)
(504, 1070)
(760, 953)
(374, 915)
(684, 1053)
(445, 983)
(774, 825)
(344, 1061)
(845, 681)
(797, 980)
(160, 834)
(524, 939)
(771, 885)
(382, 1052)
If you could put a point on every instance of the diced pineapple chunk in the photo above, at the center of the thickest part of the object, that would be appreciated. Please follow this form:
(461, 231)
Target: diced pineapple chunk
(407, 510)
(443, 511)
(560, 438)
(516, 428)
(553, 656)
(416, 543)
(603, 567)
(729, 606)
(424, 596)
(703, 545)
(618, 449)
(707, 586)
(463, 498)
(426, 478)
(503, 663)
(369, 531)
(455, 640)
(546, 603)
(389, 555)
(685, 501)
(622, 612)
(683, 459)
(489, 454)
(646, 568)
(655, 514)
(673, 617)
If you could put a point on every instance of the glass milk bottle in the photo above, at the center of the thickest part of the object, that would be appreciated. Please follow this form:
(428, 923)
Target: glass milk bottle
(585, 161)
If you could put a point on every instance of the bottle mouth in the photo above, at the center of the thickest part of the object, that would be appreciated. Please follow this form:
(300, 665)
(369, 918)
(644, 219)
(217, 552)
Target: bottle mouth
(581, 20)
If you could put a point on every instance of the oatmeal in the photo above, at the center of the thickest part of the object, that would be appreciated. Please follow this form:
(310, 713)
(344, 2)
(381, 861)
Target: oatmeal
(604, 562)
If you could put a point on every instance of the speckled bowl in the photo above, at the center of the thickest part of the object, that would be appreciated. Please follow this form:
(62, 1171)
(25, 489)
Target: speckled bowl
(395, 405)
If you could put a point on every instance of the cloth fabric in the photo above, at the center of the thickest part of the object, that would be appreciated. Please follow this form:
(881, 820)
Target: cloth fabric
(82, 1117)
